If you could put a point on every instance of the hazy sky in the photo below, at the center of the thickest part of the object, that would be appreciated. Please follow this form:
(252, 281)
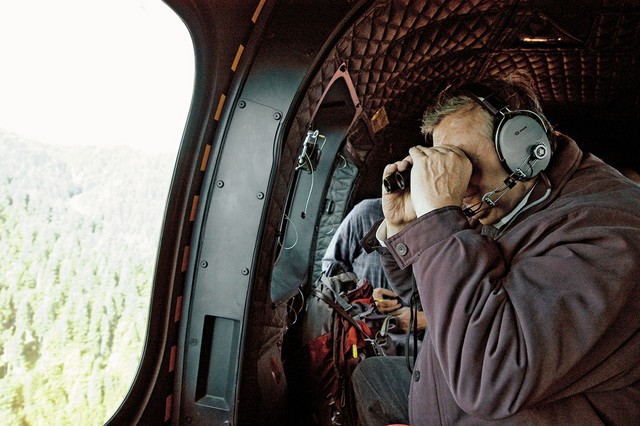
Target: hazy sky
(95, 72)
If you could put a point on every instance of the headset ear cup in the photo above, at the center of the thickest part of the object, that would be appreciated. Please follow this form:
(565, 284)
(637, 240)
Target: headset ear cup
(521, 137)
(522, 143)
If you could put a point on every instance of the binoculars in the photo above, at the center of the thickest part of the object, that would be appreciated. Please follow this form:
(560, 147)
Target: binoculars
(397, 181)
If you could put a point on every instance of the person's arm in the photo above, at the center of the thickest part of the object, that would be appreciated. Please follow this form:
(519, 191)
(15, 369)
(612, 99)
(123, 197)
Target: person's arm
(399, 279)
(508, 336)
(343, 246)
(404, 318)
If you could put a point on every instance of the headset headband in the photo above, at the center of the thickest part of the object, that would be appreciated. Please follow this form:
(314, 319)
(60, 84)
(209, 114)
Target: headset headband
(486, 97)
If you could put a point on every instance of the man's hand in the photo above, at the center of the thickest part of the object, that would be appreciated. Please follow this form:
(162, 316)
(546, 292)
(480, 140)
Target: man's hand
(396, 206)
(439, 177)
(389, 303)
(404, 316)
(386, 300)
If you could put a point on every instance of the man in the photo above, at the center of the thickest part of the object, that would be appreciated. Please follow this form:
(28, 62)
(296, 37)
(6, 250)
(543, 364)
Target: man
(533, 314)
(345, 247)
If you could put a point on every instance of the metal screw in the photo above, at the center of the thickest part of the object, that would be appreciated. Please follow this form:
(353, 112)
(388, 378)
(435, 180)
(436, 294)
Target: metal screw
(245, 271)
(219, 184)
(204, 264)
(277, 116)
(242, 104)
(260, 195)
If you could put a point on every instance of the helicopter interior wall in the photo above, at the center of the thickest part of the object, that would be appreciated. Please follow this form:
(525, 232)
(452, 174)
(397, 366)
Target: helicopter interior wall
(584, 59)
(584, 56)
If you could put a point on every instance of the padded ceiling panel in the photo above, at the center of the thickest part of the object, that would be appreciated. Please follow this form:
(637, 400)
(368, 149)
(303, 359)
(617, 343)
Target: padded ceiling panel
(584, 57)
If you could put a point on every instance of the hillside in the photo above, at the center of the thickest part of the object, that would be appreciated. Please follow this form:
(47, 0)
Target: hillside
(79, 228)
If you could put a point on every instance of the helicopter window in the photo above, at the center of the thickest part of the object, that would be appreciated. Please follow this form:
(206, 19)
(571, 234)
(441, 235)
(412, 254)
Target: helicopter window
(94, 97)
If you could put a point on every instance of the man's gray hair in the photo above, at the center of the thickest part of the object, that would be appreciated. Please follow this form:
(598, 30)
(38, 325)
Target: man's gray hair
(432, 117)
(517, 90)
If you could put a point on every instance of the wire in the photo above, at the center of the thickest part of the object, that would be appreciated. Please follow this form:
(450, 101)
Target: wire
(413, 327)
(295, 230)
(323, 142)
(344, 165)
(292, 308)
(333, 226)
(312, 172)
(547, 183)
(306, 205)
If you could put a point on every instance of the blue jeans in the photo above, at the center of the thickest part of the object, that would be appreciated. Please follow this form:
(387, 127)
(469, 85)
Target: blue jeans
(381, 386)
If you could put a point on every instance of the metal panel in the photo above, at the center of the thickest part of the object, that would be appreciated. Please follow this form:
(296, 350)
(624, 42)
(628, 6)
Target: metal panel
(223, 269)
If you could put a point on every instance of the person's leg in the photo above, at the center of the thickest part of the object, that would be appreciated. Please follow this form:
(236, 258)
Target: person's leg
(381, 387)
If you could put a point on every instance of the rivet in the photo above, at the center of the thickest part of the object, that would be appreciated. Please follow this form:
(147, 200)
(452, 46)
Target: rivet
(219, 184)
(242, 104)
(277, 116)
(193, 342)
(260, 195)
(204, 264)
(245, 271)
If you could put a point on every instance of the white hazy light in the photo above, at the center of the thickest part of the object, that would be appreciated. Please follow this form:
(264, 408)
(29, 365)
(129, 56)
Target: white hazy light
(95, 72)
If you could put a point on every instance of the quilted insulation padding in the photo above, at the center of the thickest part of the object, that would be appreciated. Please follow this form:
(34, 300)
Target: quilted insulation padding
(401, 53)
(338, 195)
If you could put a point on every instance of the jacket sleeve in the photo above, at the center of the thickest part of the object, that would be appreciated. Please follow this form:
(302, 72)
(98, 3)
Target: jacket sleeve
(336, 250)
(399, 279)
(343, 247)
(509, 335)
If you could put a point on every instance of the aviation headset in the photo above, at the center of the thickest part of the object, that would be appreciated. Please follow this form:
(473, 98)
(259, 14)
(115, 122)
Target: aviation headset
(521, 137)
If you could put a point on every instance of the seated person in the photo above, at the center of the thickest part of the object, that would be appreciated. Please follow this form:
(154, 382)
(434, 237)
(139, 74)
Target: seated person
(345, 245)
(345, 248)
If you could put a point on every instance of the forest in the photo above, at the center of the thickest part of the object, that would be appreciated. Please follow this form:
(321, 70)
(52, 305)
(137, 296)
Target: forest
(79, 231)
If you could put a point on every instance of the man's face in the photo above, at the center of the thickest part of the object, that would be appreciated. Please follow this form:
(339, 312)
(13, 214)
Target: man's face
(465, 129)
